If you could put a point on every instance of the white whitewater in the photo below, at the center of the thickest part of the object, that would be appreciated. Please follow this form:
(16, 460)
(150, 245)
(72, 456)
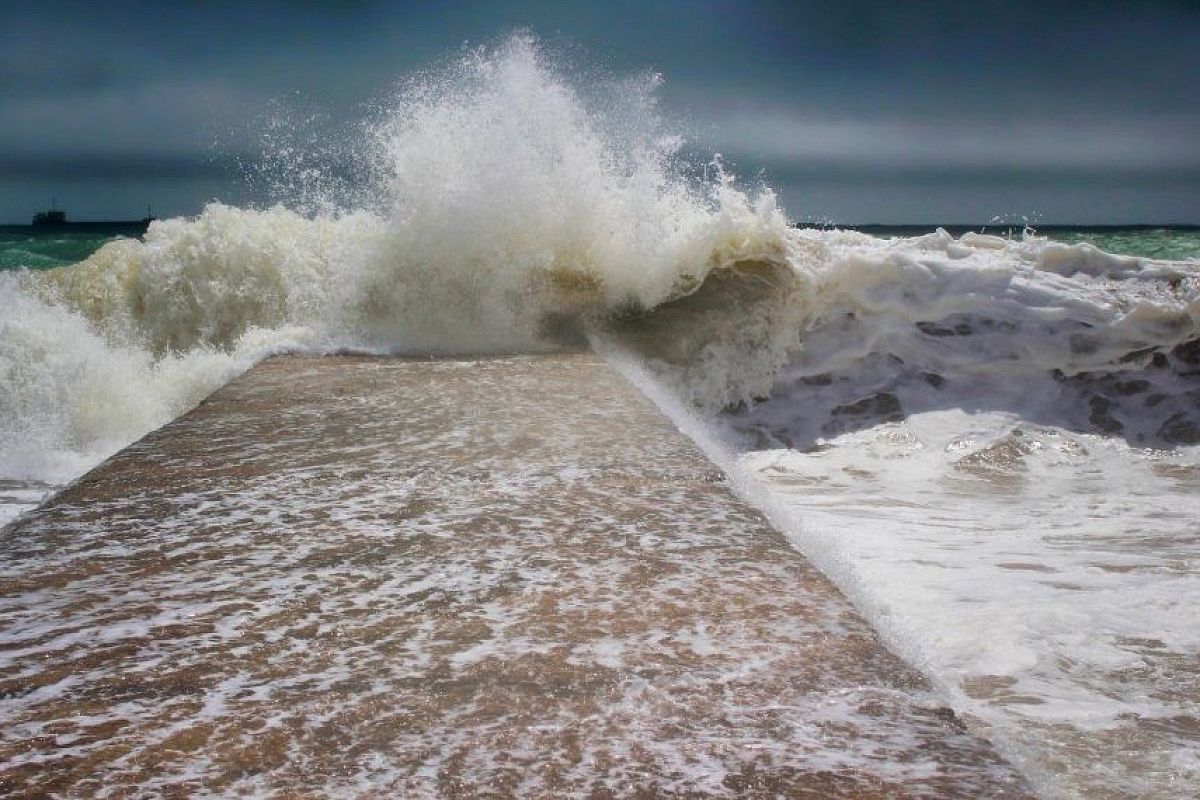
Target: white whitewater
(991, 444)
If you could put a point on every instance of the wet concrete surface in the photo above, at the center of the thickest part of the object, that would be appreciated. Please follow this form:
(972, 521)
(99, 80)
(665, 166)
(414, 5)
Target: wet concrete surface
(493, 577)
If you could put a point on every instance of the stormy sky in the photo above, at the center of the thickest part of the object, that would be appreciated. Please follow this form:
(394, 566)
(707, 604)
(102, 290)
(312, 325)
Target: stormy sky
(855, 111)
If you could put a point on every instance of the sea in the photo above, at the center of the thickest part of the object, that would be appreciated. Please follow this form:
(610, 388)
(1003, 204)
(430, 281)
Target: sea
(987, 436)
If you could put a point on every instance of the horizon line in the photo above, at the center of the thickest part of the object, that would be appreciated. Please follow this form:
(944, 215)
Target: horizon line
(824, 225)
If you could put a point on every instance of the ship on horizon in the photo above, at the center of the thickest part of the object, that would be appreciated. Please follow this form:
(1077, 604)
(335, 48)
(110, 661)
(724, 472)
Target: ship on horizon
(57, 218)
(52, 217)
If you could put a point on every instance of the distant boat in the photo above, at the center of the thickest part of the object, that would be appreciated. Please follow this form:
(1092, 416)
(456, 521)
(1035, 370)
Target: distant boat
(50, 218)
(57, 218)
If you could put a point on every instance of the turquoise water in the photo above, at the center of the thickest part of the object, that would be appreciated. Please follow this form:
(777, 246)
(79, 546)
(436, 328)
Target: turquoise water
(1174, 243)
(22, 247)
(1167, 243)
(43, 250)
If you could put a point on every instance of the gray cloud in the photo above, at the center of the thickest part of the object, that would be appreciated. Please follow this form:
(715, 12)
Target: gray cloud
(162, 117)
(800, 88)
(924, 141)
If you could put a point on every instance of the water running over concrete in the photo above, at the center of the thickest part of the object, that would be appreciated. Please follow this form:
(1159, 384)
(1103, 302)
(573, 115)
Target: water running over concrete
(442, 578)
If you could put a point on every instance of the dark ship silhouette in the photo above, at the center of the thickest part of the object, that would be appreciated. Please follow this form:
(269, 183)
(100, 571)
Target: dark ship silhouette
(50, 218)
(56, 219)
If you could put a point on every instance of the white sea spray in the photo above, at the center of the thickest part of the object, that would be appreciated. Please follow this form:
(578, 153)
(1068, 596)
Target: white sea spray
(989, 442)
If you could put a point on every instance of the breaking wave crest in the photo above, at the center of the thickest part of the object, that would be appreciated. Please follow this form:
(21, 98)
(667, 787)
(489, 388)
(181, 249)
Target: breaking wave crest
(514, 211)
(518, 212)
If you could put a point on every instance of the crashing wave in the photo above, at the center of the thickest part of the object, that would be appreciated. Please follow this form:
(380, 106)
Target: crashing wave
(514, 213)
(517, 211)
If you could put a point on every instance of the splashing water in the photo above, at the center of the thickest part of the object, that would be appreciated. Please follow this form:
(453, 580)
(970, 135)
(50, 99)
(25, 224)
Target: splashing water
(990, 443)
(511, 205)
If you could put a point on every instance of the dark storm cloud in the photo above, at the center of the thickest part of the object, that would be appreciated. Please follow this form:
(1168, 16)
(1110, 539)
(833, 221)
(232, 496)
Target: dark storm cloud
(792, 87)
(115, 167)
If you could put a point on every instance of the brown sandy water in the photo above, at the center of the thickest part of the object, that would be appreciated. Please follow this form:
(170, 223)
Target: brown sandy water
(435, 578)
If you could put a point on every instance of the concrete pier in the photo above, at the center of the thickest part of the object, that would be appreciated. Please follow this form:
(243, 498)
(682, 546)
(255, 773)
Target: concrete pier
(499, 577)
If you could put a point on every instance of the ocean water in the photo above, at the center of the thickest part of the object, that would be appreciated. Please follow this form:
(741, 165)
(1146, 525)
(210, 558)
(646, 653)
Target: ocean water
(26, 247)
(1165, 243)
(990, 442)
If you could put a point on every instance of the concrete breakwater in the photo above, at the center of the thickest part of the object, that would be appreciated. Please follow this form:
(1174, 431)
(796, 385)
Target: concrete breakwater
(354, 576)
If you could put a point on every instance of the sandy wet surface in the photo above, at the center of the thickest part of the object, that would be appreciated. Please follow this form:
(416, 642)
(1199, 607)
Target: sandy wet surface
(438, 578)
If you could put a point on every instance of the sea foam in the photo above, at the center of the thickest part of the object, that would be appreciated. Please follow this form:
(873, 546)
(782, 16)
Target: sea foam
(514, 210)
